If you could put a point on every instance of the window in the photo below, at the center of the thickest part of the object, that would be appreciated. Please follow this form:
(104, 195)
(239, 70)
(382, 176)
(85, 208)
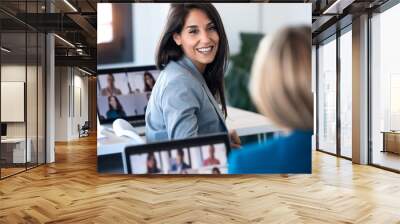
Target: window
(346, 93)
(105, 23)
(385, 88)
(327, 96)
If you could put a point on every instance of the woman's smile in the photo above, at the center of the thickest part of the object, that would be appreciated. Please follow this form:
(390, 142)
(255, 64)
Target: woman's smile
(205, 50)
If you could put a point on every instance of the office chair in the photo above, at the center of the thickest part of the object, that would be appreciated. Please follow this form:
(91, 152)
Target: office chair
(84, 130)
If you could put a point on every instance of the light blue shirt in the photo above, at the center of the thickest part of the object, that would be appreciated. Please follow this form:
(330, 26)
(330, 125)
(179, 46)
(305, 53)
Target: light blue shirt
(181, 105)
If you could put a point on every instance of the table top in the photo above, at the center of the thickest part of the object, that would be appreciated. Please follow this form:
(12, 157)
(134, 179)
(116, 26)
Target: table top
(110, 143)
(391, 132)
(244, 122)
(248, 123)
(14, 140)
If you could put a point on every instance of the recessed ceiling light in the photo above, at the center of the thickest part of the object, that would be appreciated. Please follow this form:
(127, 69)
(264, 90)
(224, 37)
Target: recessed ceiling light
(64, 40)
(70, 5)
(337, 7)
(86, 72)
(5, 49)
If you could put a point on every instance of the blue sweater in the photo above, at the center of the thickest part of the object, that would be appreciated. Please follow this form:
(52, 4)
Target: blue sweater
(289, 154)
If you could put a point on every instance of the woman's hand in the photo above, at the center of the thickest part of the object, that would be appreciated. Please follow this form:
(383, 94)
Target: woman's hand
(234, 138)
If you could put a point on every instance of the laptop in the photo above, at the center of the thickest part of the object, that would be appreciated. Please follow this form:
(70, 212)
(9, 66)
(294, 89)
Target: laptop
(124, 93)
(198, 155)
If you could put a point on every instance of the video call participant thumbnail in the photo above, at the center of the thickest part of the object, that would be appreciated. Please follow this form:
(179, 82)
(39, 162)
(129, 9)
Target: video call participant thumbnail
(110, 89)
(115, 108)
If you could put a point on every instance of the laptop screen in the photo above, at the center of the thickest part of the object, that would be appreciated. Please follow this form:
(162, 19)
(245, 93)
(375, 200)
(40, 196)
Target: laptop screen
(124, 93)
(199, 155)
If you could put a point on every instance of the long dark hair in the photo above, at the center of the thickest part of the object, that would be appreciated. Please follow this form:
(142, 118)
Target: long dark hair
(146, 86)
(168, 50)
(119, 106)
(153, 169)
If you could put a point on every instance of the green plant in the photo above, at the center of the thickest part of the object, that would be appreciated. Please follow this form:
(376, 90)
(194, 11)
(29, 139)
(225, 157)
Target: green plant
(238, 74)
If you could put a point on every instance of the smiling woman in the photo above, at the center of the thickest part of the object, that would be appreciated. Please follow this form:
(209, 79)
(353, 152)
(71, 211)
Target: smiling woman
(188, 98)
(199, 39)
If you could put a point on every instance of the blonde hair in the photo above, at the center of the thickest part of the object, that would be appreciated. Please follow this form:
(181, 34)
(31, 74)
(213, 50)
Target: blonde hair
(280, 83)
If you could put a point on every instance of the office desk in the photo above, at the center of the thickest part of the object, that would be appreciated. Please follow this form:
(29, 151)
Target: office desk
(244, 122)
(110, 144)
(15, 148)
(249, 123)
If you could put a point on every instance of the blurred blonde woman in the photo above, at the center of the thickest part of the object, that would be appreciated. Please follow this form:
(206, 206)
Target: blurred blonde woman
(280, 86)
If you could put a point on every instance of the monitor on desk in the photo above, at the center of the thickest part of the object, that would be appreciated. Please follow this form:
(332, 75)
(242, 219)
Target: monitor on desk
(3, 130)
(197, 155)
(124, 92)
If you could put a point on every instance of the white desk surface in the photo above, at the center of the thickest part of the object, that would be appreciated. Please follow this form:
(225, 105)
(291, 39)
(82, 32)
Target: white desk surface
(19, 152)
(110, 143)
(13, 140)
(248, 123)
(244, 122)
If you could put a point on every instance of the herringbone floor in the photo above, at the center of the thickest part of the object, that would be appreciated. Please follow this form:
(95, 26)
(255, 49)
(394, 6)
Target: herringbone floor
(71, 191)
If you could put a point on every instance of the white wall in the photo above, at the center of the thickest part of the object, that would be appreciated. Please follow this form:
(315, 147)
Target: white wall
(14, 72)
(80, 102)
(239, 17)
(70, 84)
(149, 21)
(147, 28)
(61, 103)
(278, 15)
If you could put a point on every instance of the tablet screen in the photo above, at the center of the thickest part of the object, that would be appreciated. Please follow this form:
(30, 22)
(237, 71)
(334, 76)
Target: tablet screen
(204, 159)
